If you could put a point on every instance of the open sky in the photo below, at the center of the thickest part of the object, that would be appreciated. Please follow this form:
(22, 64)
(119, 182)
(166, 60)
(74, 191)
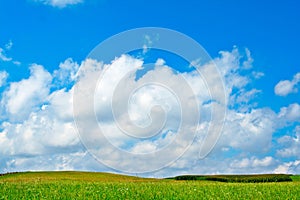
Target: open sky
(254, 44)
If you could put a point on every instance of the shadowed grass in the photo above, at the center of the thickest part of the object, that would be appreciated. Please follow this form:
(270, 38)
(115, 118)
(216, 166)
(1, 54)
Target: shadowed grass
(254, 178)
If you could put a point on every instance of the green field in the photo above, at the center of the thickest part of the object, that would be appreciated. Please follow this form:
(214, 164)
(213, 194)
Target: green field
(89, 185)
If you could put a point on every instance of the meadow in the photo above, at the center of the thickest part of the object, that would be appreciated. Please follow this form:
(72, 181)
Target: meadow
(90, 185)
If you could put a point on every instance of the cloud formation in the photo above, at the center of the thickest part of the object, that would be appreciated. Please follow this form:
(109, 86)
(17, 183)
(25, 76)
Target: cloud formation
(3, 54)
(291, 144)
(22, 97)
(37, 131)
(286, 87)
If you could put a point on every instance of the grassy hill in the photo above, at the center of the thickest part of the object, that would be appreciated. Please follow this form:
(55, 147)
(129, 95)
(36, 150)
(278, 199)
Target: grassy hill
(92, 185)
(73, 176)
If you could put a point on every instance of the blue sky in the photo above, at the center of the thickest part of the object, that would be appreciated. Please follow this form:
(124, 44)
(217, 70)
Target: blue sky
(44, 42)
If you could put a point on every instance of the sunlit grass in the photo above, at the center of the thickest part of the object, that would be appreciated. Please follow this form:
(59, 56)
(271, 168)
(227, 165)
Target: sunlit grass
(82, 185)
(67, 176)
(296, 178)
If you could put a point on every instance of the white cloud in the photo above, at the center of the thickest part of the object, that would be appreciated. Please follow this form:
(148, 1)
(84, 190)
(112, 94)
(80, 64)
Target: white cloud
(242, 99)
(20, 99)
(291, 145)
(249, 132)
(66, 74)
(3, 57)
(37, 122)
(116, 83)
(160, 62)
(253, 162)
(285, 87)
(53, 162)
(60, 102)
(60, 3)
(39, 134)
(54, 111)
(290, 114)
(247, 64)
(3, 77)
(38, 125)
(230, 66)
(257, 75)
(292, 167)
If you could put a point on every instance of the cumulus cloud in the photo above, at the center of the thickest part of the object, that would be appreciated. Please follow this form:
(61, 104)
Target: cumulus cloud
(38, 135)
(66, 74)
(292, 167)
(60, 3)
(253, 162)
(20, 99)
(246, 131)
(53, 162)
(151, 101)
(290, 114)
(38, 132)
(290, 144)
(231, 66)
(285, 87)
(250, 132)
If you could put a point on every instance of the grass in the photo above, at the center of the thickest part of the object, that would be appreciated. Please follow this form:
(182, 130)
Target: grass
(74, 176)
(296, 178)
(88, 185)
